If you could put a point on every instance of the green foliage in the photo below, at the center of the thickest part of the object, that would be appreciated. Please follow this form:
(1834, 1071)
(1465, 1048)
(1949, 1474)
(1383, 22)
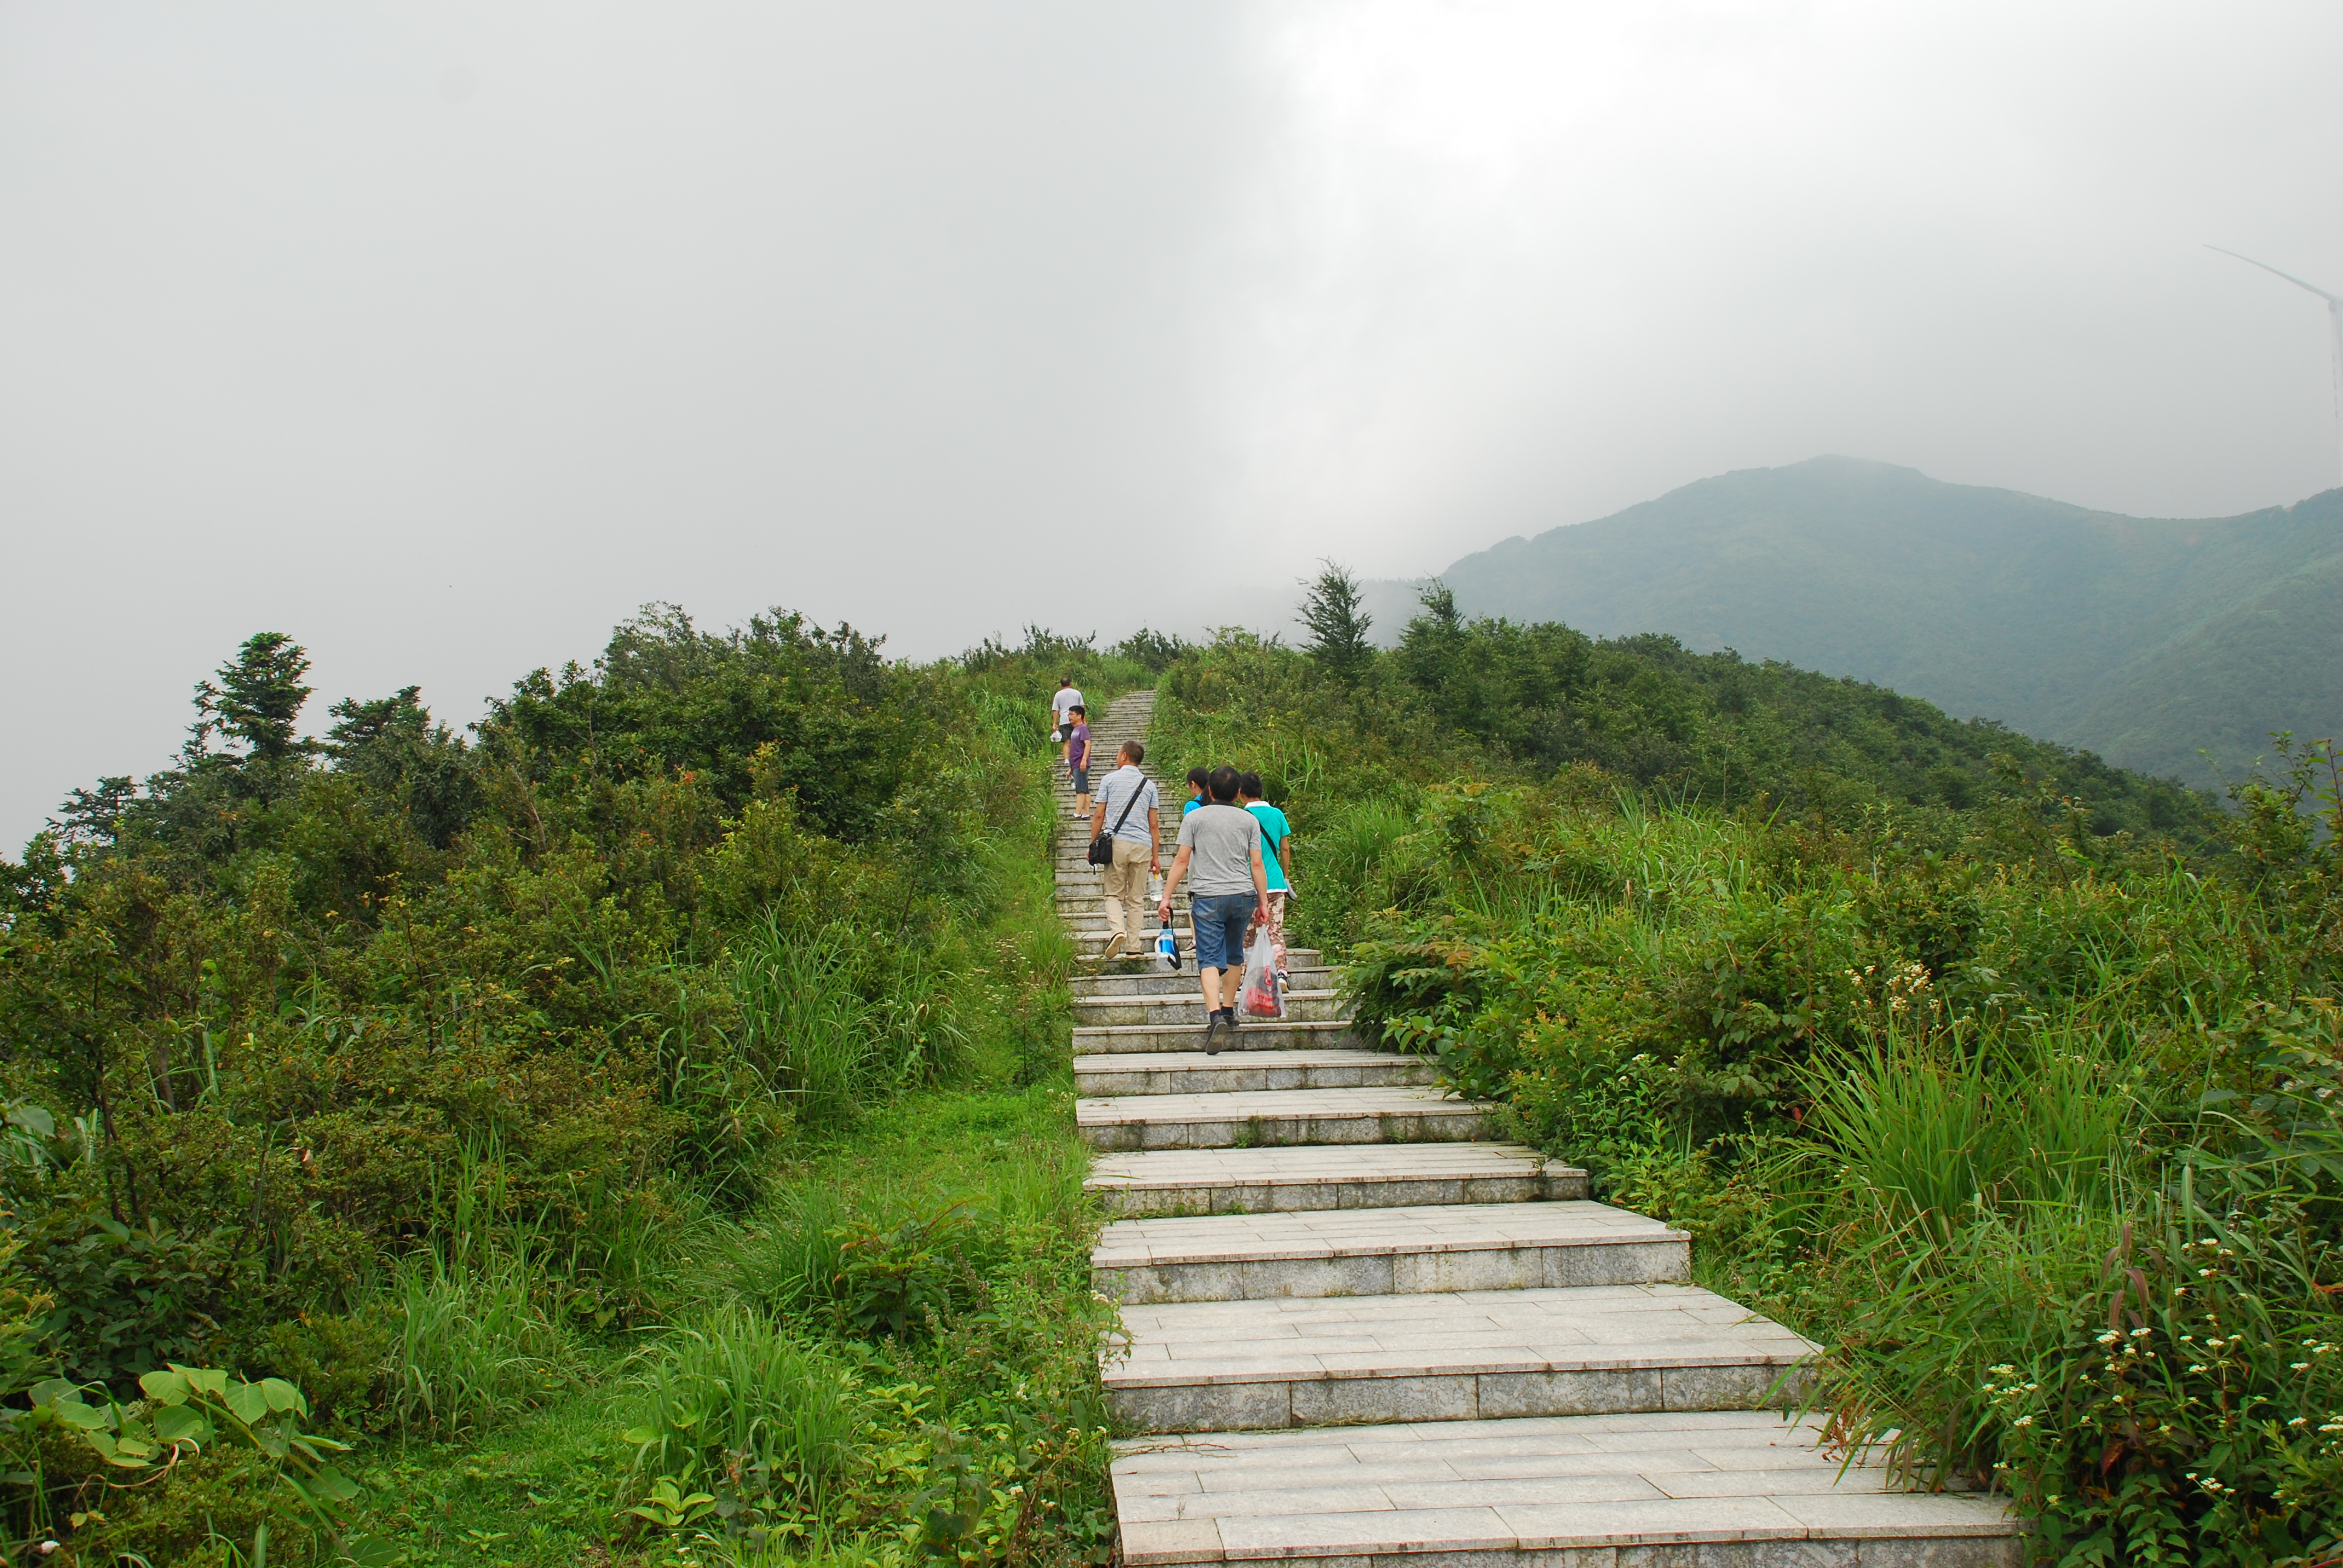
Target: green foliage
(185, 1410)
(774, 1430)
(2011, 1080)
(436, 1075)
(474, 1342)
(2149, 640)
(1338, 626)
(258, 698)
(1931, 1106)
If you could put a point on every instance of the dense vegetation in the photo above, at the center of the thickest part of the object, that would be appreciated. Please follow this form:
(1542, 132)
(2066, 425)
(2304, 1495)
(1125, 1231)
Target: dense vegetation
(2146, 639)
(2023, 1099)
(634, 1130)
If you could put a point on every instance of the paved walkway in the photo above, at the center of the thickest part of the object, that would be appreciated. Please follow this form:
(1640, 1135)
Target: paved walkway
(1487, 1370)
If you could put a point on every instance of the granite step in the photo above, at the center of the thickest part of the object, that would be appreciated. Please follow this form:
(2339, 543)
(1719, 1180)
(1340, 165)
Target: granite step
(1186, 1010)
(1090, 908)
(1225, 1366)
(1385, 1252)
(1166, 1072)
(1360, 1176)
(1302, 968)
(1123, 1039)
(1277, 1118)
(1726, 1488)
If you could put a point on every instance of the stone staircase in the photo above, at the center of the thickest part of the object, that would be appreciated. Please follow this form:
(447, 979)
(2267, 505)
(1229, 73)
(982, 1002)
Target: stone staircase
(1359, 1330)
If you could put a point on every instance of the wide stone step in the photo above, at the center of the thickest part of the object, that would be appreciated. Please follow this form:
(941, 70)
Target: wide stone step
(1727, 1489)
(1278, 1117)
(1164, 1072)
(1123, 1039)
(1224, 1366)
(1088, 909)
(1385, 1252)
(1360, 1176)
(1302, 967)
(1174, 1011)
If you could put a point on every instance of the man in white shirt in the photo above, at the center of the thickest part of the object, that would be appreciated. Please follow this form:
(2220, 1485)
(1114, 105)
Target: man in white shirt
(1061, 720)
(1127, 807)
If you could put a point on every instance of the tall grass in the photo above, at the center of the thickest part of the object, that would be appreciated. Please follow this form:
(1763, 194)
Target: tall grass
(474, 1342)
(735, 1402)
(838, 1015)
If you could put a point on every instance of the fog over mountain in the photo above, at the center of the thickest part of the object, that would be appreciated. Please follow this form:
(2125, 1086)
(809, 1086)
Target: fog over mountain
(2146, 640)
(442, 336)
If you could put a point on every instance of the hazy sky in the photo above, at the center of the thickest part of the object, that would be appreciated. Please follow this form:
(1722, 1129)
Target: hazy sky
(441, 337)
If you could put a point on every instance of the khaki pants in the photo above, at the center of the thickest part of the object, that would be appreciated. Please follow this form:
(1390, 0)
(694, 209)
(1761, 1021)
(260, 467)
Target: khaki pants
(1126, 889)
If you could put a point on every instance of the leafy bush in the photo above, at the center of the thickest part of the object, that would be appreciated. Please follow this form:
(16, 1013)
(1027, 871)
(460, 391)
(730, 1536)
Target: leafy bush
(418, 1065)
(2028, 1115)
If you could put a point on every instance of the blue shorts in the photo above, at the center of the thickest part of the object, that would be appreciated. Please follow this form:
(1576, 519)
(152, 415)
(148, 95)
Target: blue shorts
(1220, 919)
(1081, 781)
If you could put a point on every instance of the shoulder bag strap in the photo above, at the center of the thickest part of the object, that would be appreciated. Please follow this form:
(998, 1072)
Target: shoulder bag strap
(1127, 805)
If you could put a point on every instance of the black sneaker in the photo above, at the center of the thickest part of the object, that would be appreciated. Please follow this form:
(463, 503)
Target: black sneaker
(1211, 1034)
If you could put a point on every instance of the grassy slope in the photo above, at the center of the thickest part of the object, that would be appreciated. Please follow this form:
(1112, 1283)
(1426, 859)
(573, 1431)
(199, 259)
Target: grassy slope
(2143, 638)
(548, 1489)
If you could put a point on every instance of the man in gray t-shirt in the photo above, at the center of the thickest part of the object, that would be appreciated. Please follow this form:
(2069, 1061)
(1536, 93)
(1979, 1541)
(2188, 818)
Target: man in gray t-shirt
(1222, 842)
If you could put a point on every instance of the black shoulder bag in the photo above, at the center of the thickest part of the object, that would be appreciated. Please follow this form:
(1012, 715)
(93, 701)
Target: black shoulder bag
(1102, 847)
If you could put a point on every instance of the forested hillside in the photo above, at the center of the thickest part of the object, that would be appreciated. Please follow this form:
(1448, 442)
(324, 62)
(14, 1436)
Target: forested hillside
(2036, 1128)
(2144, 640)
(1497, 699)
(681, 1055)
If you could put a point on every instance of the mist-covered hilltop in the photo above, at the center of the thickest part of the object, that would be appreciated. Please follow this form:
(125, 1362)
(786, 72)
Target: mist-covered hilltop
(2144, 640)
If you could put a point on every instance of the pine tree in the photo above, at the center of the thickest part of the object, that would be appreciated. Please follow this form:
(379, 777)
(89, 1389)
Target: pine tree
(1338, 626)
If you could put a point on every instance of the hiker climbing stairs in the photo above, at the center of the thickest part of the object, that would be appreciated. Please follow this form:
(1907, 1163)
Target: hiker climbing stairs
(1358, 1325)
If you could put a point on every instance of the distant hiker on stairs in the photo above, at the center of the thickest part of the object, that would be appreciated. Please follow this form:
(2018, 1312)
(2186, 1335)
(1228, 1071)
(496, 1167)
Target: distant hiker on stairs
(1128, 807)
(1061, 718)
(1077, 758)
(1229, 890)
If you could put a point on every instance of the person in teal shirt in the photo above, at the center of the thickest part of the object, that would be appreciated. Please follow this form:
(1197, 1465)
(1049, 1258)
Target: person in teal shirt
(1276, 858)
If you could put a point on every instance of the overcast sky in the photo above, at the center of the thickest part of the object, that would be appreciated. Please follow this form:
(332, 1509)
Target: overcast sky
(441, 337)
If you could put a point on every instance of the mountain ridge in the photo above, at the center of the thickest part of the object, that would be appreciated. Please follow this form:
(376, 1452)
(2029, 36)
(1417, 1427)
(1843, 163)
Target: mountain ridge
(2147, 640)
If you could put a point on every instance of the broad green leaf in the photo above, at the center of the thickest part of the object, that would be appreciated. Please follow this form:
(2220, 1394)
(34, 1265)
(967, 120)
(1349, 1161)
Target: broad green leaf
(165, 1387)
(87, 1418)
(283, 1395)
(365, 1551)
(182, 1425)
(247, 1403)
(208, 1380)
(335, 1484)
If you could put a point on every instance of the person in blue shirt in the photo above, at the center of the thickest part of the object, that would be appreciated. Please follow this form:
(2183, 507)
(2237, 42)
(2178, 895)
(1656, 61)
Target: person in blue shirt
(1197, 778)
(1277, 861)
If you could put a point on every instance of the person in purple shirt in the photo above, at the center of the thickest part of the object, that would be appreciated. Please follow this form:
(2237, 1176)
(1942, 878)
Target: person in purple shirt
(1077, 758)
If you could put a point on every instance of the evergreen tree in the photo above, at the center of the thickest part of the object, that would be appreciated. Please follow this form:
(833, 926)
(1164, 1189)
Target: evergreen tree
(1338, 626)
(259, 697)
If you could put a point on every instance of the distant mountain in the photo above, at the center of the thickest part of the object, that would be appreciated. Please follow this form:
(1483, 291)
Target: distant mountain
(2144, 640)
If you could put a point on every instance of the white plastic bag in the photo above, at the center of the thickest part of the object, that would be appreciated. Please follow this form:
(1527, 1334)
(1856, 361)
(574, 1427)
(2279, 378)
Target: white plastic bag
(1260, 997)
